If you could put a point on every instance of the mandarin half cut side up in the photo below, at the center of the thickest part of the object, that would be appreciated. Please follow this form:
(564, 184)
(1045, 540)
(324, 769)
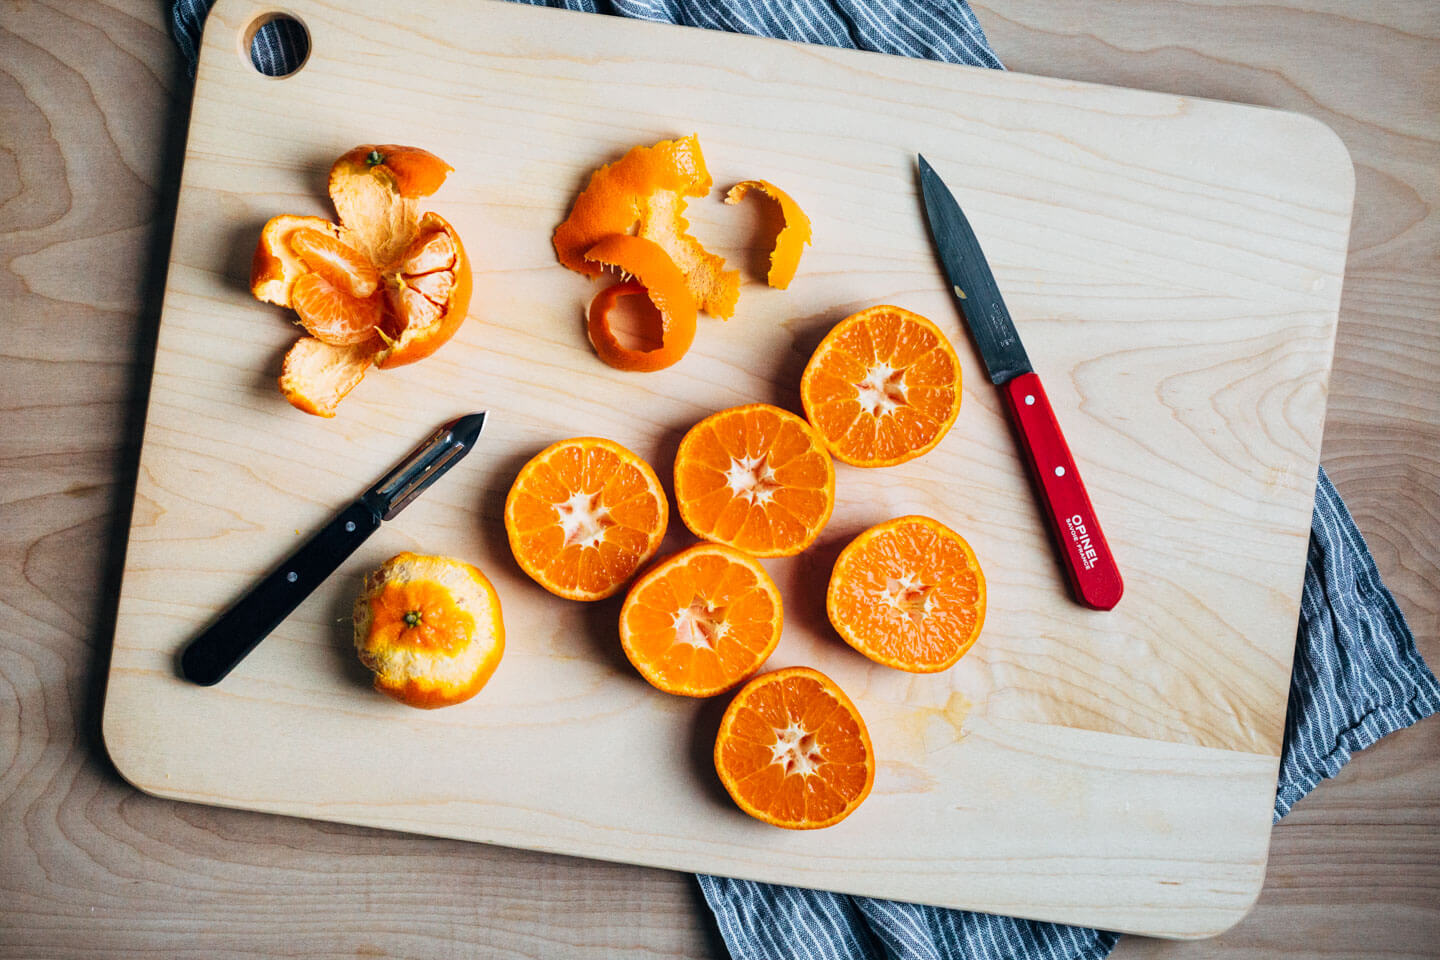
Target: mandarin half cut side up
(583, 515)
(794, 751)
(882, 388)
(757, 478)
(908, 593)
(701, 621)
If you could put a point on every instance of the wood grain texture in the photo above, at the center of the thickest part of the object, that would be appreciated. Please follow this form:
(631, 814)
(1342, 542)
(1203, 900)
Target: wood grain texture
(1176, 266)
(96, 869)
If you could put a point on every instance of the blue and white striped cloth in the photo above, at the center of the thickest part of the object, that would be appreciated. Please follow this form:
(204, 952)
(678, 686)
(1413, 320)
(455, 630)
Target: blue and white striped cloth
(1357, 673)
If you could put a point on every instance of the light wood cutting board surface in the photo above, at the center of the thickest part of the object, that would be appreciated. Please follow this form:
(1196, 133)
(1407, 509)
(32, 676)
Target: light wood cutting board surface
(1174, 266)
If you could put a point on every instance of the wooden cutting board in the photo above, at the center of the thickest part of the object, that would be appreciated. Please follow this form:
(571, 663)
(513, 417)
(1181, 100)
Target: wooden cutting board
(1173, 264)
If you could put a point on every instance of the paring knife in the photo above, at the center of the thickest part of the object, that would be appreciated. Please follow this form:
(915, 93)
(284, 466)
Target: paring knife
(240, 629)
(1094, 578)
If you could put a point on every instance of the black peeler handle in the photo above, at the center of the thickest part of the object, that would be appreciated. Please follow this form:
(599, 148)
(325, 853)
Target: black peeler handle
(240, 629)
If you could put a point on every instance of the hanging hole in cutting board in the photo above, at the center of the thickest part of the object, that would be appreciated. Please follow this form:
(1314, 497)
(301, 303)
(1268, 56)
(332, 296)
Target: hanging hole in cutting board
(276, 44)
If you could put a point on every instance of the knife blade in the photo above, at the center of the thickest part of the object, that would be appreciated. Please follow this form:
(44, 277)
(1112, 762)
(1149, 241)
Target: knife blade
(227, 641)
(1089, 565)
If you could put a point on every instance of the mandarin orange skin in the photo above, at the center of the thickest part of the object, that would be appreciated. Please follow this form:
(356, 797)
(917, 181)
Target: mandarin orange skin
(743, 788)
(659, 279)
(794, 235)
(421, 671)
(416, 172)
(646, 191)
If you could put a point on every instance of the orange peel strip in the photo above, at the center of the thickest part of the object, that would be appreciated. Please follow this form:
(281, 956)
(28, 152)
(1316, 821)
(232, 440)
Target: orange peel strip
(645, 192)
(793, 236)
(660, 280)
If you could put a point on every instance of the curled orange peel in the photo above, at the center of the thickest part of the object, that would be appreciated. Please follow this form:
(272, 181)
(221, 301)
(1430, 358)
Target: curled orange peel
(657, 277)
(793, 236)
(644, 192)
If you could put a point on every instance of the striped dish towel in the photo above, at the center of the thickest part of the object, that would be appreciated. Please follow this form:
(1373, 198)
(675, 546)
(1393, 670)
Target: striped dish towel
(1357, 673)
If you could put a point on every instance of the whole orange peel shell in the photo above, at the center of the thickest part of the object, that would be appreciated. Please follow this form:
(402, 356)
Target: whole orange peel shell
(790, 242)
(645, 192)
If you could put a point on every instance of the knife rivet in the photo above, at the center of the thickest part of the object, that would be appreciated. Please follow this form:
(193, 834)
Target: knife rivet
(1029, 399)
(349, 526)
(1059, 471)
(292, 576)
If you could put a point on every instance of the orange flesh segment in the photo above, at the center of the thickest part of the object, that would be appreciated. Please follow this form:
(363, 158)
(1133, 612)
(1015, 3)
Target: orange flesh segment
(645, 193)
(702, 621)
(583, 515)
(757, 478)
(330, 314)
(883, 387)
(341, 266)
(908, 593)
(790, 242)
(794, 751)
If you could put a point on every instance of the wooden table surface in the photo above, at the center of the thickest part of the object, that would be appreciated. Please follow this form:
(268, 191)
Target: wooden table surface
(92, 119)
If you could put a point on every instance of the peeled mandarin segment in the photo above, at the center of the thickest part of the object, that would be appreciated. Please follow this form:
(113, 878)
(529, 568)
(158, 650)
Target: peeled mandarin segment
(583, 515)
(275, 266)
(790, 242)
(645, 193)
(430, 252)
(883, 387)
(756, 478)
(793, 750)
(699, 622)
(330, 314)
(908, 593)
(316, 376)
(423, 320)
(336, 262)
(430, 628)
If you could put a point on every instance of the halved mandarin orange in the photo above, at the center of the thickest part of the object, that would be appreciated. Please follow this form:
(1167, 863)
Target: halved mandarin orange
(430, 628)
(882, 388)
(583, 515)
(908, 593)
(699, 622)
(389, 281)
(757, 478)
(793, 750)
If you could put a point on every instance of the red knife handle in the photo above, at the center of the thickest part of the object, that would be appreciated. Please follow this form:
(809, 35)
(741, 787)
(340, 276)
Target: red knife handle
(1094, 577)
